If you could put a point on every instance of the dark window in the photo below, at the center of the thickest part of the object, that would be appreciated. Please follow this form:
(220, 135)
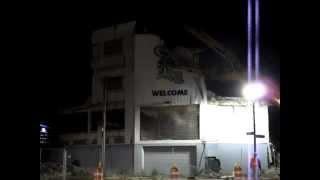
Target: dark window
(79, 142)
(112, 47)
(94, 141)
(73, 123)
(170, 122)
(119, 139)
(107, 140)
(96, 119)
(113, 83)
(115, 119)
(96, 49)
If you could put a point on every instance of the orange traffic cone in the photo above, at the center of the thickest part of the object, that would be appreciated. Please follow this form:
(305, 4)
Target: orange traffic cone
(174, 172)
(98, 175)
(237, 172)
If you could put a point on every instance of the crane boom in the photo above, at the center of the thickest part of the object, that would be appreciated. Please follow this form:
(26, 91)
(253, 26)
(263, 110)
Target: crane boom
(217, 47)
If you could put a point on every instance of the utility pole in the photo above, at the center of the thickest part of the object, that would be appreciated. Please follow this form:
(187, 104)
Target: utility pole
(64, 164)
(40, 155)
(254, 129)
(103, 154)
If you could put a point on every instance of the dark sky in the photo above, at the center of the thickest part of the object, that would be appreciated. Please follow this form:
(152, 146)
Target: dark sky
(64, 75)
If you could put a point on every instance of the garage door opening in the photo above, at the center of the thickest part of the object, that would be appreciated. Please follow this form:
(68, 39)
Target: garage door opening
(162, 158)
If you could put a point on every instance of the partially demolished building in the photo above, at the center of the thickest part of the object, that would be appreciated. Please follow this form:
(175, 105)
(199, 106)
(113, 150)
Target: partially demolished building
(164, 114)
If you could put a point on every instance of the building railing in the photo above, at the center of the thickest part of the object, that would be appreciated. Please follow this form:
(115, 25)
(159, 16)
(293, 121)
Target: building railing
(114, 61)
(113, 137)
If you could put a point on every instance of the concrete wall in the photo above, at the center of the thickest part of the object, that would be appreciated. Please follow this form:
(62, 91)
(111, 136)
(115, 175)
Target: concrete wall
(115, 65)
(126, 33)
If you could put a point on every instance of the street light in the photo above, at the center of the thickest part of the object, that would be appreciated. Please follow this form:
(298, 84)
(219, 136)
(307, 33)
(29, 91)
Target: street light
(43, 130)
(253, 91)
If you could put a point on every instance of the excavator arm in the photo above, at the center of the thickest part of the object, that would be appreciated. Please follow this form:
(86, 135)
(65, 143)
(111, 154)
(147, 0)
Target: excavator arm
(216, 47)
(237, 67)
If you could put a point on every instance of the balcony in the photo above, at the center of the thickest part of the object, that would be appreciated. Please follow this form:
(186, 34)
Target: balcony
(84, 138)
(109, 62)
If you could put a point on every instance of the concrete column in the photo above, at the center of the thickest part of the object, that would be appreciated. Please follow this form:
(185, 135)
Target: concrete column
(138, 158)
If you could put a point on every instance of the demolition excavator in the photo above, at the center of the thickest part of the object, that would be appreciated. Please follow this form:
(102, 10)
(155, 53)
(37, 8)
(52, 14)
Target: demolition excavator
(237, 70)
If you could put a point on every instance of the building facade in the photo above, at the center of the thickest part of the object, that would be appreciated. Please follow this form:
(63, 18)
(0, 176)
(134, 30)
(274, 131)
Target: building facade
(159, 101)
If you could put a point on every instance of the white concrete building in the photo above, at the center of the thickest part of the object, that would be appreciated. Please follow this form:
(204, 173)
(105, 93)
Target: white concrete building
(168, 115)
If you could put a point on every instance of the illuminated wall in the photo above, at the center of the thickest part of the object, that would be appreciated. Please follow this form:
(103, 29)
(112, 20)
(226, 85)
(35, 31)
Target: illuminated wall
(229, 124)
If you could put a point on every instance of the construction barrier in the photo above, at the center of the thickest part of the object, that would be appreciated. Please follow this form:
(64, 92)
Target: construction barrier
(98, 175)
(237, 172)
(174, 172)
(255, 166)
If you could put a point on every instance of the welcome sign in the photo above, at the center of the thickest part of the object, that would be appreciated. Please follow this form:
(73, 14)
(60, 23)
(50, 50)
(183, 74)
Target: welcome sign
(171, 92)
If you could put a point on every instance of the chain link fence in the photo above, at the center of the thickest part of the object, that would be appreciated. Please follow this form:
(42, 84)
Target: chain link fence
(56, 164)
(80, 162)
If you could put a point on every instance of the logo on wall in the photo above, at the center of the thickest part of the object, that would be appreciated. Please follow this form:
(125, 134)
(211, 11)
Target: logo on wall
(166, 65)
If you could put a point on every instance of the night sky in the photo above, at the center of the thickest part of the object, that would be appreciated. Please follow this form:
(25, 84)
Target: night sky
(64, 75)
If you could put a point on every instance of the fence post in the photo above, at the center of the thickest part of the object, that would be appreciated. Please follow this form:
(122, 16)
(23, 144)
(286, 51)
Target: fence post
(64, 164)
(40, 155)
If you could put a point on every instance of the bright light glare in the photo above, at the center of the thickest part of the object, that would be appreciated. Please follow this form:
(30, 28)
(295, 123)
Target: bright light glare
(43, 130)
(278, 100)
(227, 124)
(254, 91)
